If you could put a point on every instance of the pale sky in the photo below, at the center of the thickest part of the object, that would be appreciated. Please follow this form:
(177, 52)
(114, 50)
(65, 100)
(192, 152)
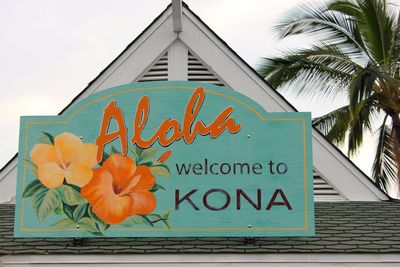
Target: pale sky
(50, 50)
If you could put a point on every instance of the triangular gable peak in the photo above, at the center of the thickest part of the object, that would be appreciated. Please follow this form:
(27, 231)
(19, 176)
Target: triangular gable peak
(196, 53)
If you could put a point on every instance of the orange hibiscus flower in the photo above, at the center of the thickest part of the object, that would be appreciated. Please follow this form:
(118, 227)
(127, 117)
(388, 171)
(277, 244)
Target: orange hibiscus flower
(68, 158)
(120, 189)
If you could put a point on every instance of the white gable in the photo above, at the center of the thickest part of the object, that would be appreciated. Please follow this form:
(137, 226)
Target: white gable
(198, 54)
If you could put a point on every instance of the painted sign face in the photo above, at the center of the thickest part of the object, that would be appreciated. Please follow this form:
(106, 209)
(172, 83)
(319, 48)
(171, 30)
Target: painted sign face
(165, 159)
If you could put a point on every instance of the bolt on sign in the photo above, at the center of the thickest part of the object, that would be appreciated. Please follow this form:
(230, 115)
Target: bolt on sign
(165, 159)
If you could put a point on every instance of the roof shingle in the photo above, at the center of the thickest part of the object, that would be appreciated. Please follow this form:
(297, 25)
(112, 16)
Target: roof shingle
(345, 227)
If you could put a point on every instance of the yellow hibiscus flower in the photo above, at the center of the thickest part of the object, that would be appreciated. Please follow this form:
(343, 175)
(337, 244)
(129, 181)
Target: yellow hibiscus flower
(68, 158)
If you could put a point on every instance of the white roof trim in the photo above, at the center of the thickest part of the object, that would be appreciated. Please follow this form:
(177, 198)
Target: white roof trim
(265, 259)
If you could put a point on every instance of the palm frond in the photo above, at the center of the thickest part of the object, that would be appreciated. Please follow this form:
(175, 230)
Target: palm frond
(361, 86)
(384, 166)
(378, 28)
(396, 50)
(334, 125)
(317, 20)
(326, 70)
(347, 7)
(351, 9)
(360, 122)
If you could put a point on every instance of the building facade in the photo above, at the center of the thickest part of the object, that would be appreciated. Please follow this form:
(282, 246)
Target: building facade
(356, 223)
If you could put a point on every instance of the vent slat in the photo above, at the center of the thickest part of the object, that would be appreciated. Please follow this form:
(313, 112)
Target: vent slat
(205, 81)
(158, 72)
(203, 77)
(155, 73)
(323, 191)
(197, 68)
(159, 67)
(162, 62)
(198, 72)
(154, 78)
(328, 198)
(201, 72)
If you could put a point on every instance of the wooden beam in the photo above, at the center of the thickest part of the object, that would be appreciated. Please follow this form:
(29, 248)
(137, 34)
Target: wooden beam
(177, 15)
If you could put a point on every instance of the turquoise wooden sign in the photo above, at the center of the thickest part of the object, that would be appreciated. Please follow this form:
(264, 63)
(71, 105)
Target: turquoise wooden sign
(165, 159)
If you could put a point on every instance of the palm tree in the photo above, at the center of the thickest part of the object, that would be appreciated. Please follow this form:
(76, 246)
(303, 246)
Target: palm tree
(356, 52)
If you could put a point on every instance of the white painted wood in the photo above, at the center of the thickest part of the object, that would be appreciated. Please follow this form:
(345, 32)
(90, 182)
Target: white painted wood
(277, 259)
(328, 161)
(177, 15)
(8, 178)
(177, 61)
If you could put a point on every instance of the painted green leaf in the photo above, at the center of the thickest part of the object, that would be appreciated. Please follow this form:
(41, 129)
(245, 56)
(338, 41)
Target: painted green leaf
(87, 224)
(164, 218)
(58, 210)
(154, 217)
(65, 222)
(79, 211)
(68, 210)
(32, 187)
(50, 202)
(160, 169)
(167, 224)
(38, 196)
(31, 166)
(101, 225)
(166, 214)
(156, 187)
(138, 151)
(45, 138)
(132, 153)
(147, 163)
(147, 154)
(137, 219)
(70, 195)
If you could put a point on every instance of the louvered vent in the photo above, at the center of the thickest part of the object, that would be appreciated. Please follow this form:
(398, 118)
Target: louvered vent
(197, 72)
(323, 191)
(158, 72)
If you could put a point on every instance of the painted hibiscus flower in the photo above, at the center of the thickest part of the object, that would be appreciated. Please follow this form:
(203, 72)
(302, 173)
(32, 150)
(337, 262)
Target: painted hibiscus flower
(68, 158)
(120, 189)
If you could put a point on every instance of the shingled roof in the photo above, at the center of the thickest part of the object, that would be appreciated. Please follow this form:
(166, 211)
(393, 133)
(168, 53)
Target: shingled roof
(348, 227)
